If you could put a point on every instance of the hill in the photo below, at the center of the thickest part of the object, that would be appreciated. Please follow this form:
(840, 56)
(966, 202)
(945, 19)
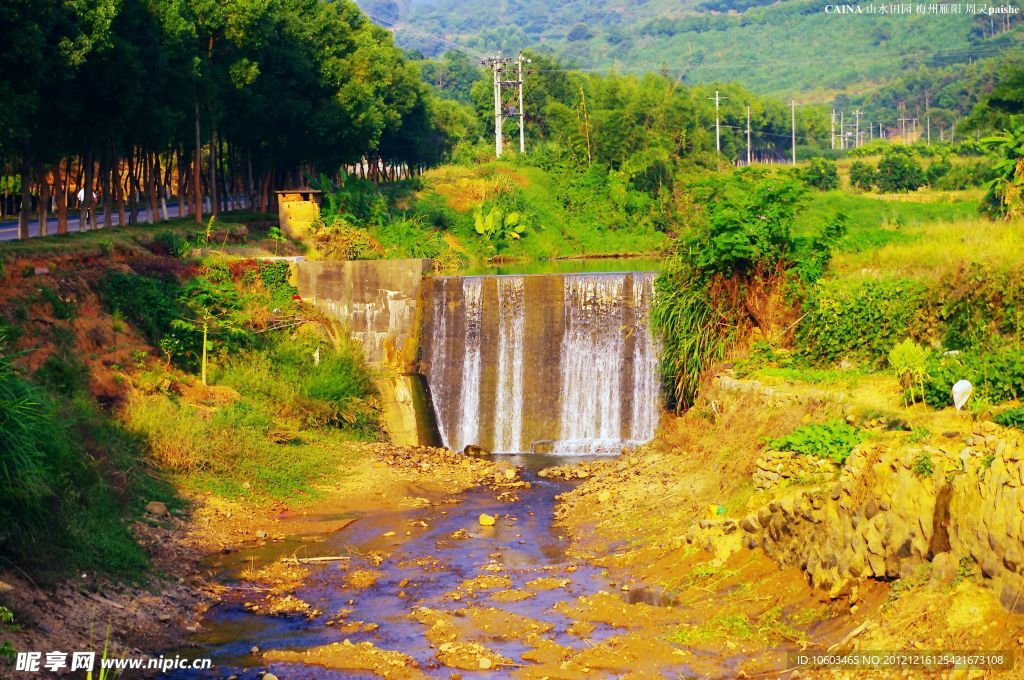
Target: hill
(793, 48)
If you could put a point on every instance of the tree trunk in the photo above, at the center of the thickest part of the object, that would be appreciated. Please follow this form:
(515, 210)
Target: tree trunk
(182, 172)
(61, 194)
(214, 193)
(133, 193)
(108, 198)
(152, 171)
(44, 201)
(118, 181)
(25, 215)
(86, 219)
(197, 181)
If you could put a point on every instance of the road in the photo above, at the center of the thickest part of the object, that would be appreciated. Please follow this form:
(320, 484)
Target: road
(9, 228)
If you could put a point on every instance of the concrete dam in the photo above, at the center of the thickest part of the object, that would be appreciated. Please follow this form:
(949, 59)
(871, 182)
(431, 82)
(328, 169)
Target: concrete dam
(554, 363)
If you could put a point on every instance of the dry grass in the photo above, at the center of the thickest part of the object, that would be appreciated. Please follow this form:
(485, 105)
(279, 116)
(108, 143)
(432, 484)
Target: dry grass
(940, 247)
(465, 188)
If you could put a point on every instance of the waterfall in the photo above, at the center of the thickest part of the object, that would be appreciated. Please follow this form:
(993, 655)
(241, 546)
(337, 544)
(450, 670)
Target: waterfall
(591, 362)
(508, 412)
(564, 363)
(645, 385)
(470, 397)
(438, 350)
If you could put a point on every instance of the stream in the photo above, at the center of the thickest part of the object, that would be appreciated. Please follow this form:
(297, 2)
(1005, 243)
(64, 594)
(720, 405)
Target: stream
(524, 541)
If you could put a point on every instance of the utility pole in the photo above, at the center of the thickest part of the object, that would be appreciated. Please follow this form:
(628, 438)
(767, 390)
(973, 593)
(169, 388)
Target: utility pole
(748, 136)
(718, 131)
(928, 123)
(522, 110)
(856, 133)
(832, 133)
(496, 64)
(913, 133)
(903, 123)
(792, 103)
(842, 130)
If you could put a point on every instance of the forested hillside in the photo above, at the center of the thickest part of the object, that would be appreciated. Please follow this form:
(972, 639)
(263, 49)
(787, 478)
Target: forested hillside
(793, 48)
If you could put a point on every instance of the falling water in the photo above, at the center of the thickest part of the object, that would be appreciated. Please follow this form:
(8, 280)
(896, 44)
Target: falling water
(592, 353)
(645, 387)
(508, 412)
(439, 350)
(562, 362)
(470, 397)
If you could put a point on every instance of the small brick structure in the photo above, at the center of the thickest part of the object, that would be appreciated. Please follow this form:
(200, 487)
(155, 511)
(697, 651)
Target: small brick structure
(297, 209)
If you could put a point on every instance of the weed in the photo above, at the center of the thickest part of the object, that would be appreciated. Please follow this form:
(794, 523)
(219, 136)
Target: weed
(62, 309)
(919, 434)
(834, 439)
(1013, 417)
(923, 466)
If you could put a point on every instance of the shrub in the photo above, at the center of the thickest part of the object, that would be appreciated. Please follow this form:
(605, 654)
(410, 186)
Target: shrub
(910, 362)
(859, 319)
(1013, 417)
(149, 303)
(862, 176)
(997, 376)
(898, 171)
(821, 174)
(834, 439)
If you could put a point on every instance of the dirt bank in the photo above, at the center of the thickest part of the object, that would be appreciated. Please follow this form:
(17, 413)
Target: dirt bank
(909, 545)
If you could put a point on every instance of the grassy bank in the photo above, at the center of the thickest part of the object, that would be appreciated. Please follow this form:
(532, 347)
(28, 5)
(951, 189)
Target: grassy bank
(104, 409)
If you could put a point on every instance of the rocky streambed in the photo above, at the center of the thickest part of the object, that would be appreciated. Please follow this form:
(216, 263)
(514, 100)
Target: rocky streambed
(457, 583)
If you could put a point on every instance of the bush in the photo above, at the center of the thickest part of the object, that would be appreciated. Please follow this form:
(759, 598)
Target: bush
(997, 376)
(862, 176)
(821, 174)
(1013, 417)
(898, 171)
(859, 319)
(834, 439)
(149, 303)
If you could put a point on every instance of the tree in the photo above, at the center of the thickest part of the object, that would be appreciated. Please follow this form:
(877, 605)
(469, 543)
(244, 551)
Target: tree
(862, 176)
(1005, 193)
(215, 309)
(821, 174)
(899, 171)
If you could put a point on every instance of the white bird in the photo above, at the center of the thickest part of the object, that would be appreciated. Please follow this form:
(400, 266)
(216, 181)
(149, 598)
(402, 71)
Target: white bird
(962, 391)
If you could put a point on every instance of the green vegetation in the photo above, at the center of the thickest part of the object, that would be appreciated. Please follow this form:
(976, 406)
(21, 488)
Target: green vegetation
(834, 439)
(910, 362)
(731, 274)
(1005, 197)
(923, 466)
(56, 508)
(1011, 417)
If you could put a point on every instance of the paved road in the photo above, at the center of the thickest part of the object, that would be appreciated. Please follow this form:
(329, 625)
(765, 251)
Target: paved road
(9, 229)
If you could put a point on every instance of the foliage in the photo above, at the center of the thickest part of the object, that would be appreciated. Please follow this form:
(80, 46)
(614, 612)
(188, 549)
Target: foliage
(862, 176)
(1011, 417)
(496, 225)
(899, 171)
(821, 174)
(923, 465)
(341, 241)
(149, 303)
(1004, 197)
(997, 375)
(727, 275)
(835, 440)
(859, 318)
(56, 508)
(910, 362)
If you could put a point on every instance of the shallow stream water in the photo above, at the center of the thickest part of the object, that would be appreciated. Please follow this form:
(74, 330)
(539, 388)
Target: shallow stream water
(524, 541)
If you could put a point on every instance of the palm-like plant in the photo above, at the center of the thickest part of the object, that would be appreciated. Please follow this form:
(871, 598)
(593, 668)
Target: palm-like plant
(1005, 193)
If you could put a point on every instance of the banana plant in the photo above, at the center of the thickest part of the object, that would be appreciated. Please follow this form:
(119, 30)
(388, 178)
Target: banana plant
(1005, 193)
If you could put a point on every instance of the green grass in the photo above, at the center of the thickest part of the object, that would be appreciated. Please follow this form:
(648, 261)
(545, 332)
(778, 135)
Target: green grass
(284, 426)
(102, 241)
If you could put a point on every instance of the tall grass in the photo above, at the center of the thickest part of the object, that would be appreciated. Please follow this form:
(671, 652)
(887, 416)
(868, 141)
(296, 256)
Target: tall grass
(934, 249)
(694, 333)
(283, 423)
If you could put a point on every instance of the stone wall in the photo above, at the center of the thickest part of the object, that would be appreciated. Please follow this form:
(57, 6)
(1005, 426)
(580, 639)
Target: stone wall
(892, 509)
(375, 299)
